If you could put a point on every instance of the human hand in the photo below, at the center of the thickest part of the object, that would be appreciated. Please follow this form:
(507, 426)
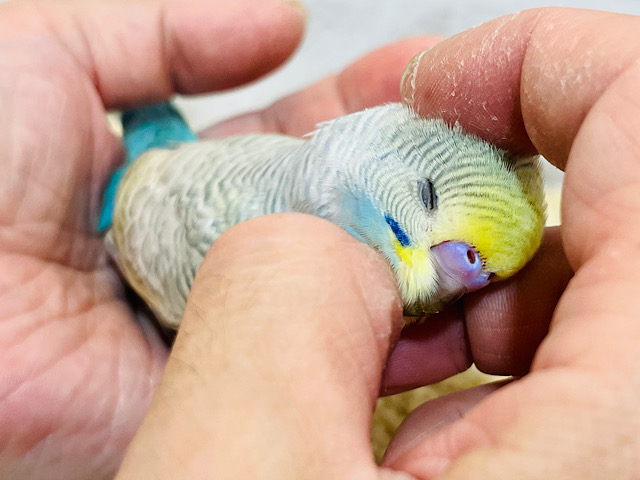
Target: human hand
(78, 364)
(258, 387)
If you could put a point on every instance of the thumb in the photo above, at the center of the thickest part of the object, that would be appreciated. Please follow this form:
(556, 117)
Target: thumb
(277, 365)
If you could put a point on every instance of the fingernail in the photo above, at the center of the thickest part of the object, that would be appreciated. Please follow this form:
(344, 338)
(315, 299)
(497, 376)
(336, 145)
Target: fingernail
(408, 80)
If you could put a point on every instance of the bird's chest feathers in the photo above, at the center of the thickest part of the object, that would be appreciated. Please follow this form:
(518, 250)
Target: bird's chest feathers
(414, 270)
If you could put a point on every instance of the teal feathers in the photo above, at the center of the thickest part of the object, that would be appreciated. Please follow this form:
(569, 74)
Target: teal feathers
(154, 126)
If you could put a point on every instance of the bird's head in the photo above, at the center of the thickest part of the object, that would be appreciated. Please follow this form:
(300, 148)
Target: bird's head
(477, 226)
(450, 212)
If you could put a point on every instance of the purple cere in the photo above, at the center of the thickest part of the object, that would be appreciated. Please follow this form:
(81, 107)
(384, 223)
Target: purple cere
(462, 263)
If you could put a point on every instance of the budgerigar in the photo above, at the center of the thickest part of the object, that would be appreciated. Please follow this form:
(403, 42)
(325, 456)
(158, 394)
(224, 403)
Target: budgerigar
(448, 211)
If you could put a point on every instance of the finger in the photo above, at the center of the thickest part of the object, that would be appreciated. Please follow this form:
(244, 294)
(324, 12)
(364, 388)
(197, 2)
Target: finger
(372, 80)
(147, 50)
(558, 423)
(281, 347)
(602, 228)
(600, 201)
(428, 352)
(432, 417)
(533, 75)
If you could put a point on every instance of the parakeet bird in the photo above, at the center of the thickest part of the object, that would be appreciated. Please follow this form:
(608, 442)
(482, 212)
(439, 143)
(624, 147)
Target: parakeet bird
(448, 211)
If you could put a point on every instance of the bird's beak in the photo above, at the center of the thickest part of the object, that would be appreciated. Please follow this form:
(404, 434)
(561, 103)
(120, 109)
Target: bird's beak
(459, 270)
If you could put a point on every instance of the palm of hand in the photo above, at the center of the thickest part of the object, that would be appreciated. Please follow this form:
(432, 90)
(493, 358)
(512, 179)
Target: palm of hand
(78, 370)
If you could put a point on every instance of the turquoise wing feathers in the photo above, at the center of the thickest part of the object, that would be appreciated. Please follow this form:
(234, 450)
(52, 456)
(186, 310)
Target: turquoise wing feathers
(155, 126)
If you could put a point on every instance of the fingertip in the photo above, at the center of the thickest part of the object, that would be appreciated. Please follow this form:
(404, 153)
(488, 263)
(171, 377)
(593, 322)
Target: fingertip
(294, 265)
(524, 82)
(216, 46)
(428, 352)
(375, 78)
(299, 7)
(425, 443)
(283, 238)
(472, 79)
(408, 81)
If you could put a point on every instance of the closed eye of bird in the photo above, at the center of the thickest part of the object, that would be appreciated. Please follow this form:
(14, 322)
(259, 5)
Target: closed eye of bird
(428, 195)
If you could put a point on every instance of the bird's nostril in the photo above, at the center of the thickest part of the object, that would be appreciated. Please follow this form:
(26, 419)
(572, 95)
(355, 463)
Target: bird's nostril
(471, 256)
(461, 263)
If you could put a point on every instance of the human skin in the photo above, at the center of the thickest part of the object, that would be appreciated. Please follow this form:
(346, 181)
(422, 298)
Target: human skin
(288, 393)
(78, 363)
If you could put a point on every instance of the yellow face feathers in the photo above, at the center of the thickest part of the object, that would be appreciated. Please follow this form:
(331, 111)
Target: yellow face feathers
(501, 215)
(495, 208)
(415, 272)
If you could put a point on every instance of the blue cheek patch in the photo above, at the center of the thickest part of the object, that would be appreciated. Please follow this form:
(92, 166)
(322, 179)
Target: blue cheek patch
(397, 230)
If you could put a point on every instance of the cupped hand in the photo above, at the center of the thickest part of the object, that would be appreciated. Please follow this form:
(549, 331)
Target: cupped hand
(78, 365)
(260, 386)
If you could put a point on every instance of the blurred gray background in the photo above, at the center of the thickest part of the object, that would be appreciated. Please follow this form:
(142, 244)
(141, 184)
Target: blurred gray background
(340, 31)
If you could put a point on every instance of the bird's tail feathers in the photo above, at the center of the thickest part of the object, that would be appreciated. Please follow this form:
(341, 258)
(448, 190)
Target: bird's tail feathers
(144, 128)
